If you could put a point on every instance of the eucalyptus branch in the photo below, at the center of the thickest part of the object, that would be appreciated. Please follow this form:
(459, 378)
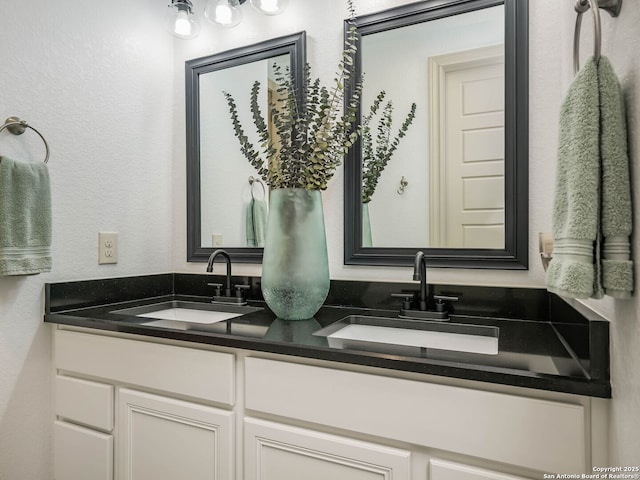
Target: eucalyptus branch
(375, 160)
(311, 135)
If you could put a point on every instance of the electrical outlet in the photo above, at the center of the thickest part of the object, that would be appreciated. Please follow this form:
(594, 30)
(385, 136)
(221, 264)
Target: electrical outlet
(107, 247)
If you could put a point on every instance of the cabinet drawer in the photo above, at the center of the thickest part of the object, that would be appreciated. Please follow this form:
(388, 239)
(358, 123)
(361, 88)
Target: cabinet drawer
(81, 454)
(183, 371)
(516, 430)
(85, 402)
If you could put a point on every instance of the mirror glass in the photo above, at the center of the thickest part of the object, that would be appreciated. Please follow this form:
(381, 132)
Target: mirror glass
(226, 200)
(455, 186)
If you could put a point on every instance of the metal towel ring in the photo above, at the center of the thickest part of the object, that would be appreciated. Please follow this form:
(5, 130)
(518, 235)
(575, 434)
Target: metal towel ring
(253, 181)
(581, 6)
(18, 126)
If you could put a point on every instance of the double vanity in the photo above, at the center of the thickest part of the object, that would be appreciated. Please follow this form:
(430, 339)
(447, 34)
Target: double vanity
(153, 376)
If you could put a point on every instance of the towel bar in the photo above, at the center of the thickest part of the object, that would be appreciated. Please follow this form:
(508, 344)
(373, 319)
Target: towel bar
(18, 126)
(581, 6)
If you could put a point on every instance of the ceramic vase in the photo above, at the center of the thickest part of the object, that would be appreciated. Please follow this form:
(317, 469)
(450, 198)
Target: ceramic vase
(295, 266)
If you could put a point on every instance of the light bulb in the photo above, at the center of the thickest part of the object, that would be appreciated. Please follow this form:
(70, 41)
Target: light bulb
(225, 13)
(181, 21)
(270, 7)
(182, 26)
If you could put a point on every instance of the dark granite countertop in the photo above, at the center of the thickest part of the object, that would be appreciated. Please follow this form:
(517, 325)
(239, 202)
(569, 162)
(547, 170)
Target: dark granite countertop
(544, 343)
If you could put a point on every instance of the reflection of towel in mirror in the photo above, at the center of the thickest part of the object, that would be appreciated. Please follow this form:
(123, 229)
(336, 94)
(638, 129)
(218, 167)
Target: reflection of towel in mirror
(592, 208)
(25, 218)
(256, 222)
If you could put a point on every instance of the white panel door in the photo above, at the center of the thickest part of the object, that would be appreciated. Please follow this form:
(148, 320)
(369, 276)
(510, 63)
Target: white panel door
(466, 139)
(474, 110)
(161, 438)
(275, 451)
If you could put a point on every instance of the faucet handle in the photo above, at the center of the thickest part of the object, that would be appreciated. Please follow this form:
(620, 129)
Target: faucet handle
(217, 286)
(407, 298)
(239, 288)
(440, 299)
(446, 298)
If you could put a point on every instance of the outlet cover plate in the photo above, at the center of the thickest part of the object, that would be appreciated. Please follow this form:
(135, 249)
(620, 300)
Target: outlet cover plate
(107, 247)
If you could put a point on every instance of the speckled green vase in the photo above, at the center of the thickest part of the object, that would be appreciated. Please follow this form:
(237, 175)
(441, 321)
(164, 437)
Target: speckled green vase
(295, 267)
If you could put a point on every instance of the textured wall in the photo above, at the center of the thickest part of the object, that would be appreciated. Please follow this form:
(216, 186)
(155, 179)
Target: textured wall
(96, 79)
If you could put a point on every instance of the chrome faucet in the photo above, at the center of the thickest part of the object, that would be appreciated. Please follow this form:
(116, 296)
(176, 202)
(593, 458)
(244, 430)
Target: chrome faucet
(420, 274)
(227, 258)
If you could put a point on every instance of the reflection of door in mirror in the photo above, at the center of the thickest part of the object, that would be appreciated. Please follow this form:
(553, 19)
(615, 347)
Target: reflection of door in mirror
(466, 137)
(227, 196)
(397, 61)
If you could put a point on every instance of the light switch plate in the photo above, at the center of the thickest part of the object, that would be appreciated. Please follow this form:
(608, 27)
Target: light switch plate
(216, 239)
(107, 247)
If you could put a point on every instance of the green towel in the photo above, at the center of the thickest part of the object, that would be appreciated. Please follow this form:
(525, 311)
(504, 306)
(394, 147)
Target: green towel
(25, 218)
(256, 222)
(616, 217)
(592, 205)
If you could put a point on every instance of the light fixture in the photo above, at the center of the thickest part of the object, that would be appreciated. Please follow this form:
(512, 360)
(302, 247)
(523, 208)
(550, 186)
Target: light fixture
(270, 7)
(225, 13)
(181, 21)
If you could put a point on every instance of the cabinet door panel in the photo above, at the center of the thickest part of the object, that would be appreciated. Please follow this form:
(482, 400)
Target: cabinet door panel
(165, 439)
(81, 454)
(280, 452)
(442, 470)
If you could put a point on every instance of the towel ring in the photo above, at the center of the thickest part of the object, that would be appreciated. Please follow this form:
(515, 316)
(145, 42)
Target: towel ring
(18, 126)
(581, 6)
(253, 181)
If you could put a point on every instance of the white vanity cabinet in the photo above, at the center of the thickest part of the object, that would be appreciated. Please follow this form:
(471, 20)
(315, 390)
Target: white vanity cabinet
(136, 410)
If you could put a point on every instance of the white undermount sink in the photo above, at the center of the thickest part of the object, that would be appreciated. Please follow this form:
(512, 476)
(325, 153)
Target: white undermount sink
(183, 315)
(395, 335)
(189, 315)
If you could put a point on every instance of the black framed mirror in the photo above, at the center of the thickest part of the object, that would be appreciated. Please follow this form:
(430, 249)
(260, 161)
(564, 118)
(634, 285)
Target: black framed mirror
(220, 181)
(457, 185)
